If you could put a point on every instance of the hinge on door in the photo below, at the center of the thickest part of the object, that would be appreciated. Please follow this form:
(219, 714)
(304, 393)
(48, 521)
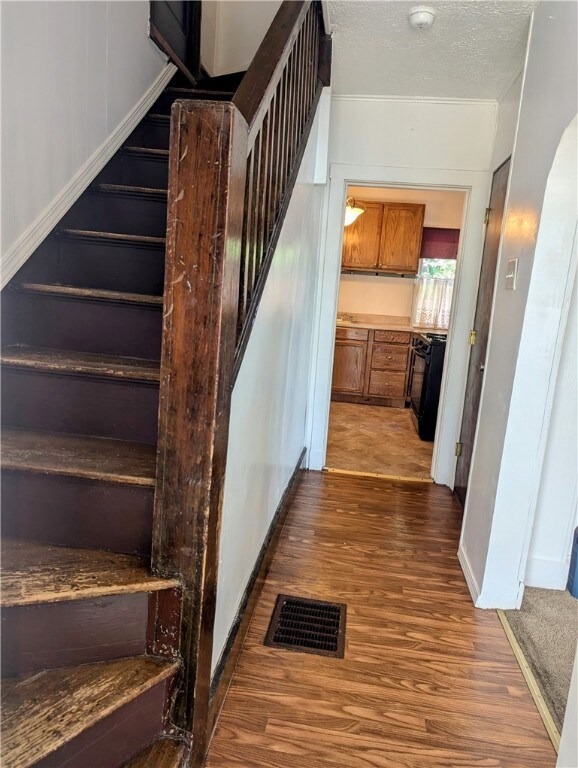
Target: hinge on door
(473, 336)
(487, 216)
(459, 447)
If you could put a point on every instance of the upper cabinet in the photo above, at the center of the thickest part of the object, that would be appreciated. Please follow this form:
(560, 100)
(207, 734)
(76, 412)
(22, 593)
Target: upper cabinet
(362, 239)
(386, 238)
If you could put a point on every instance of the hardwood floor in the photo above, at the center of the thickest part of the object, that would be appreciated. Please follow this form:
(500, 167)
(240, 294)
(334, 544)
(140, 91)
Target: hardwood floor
(370, 438)
(427, 680)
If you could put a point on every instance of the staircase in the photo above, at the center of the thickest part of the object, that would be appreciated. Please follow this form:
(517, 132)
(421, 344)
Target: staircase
(91, 639)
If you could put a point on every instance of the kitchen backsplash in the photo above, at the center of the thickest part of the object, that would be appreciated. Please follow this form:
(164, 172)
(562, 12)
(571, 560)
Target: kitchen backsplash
(371, 295)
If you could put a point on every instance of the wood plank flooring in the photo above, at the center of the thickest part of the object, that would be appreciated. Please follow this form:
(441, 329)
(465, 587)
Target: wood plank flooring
(371, 438)
(427, 680)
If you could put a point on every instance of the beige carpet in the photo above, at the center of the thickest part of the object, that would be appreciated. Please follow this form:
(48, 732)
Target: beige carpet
(546, 628)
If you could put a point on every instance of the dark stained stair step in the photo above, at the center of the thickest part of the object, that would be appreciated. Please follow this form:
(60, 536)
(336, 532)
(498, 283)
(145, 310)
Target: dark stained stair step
(97, 321)
(127, 189)
(166, 100)
(50, 711)
(96, 262)
(124, 212)
(72, 362)
(116, 237)
(153, 131)
(97, 458)
(163, 753)
(95, 294)
(77, 512)
(137, 166)
(33, 572)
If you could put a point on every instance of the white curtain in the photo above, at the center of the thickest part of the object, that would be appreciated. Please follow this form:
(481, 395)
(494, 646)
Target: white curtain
(432, 299)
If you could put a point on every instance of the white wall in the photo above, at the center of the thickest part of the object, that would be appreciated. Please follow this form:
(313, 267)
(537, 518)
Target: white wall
(71, 71)
(507, 123)
(232, 31)
(556, 512)
(406, 143)
(375, 295)
(528, 323)
(412, 133)
(267, 427)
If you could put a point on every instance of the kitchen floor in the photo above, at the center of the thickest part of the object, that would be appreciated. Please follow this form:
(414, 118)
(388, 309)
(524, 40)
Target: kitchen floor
(376, 439)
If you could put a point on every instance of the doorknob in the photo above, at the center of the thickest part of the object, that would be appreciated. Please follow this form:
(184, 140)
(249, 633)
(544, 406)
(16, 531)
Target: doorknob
(482, 366)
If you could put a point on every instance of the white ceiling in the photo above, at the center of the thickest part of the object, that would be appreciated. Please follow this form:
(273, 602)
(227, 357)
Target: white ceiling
(473, 51)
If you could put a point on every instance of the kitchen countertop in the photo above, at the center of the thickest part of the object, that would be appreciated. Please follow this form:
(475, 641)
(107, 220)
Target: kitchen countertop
(382, 323)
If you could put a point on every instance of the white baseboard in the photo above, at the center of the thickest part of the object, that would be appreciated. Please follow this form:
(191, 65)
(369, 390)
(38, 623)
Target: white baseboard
(471, 580)
(546, 574)
(41, 227)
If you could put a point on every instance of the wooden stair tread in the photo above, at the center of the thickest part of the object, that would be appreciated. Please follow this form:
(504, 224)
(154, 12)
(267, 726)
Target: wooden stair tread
(97, 458)
(192, 92)
(90, 293)
(154, 151)
(33, 572)
(163, 753)
(116, 236)
(44, 711)
(131, 190)
(72, 362)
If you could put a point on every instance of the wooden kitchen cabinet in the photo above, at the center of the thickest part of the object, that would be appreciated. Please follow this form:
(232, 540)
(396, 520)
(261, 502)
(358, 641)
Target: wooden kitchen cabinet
(350, 360)
(401, 234)
(362, 239)
(386, 238)
(371, 366)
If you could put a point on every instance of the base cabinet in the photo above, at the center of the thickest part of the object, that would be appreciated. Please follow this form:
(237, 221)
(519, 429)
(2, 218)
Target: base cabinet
(371, 366)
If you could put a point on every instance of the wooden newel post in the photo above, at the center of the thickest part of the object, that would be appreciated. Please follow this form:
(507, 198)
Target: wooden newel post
(205, 216)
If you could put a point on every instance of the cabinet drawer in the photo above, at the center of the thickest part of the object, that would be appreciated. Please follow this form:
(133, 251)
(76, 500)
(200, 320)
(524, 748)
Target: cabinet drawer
(387, 384)
(389, 358)
(393, 337)
(352, 334)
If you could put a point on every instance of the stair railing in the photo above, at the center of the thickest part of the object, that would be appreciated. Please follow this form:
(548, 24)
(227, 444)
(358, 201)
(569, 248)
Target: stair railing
(232, 169)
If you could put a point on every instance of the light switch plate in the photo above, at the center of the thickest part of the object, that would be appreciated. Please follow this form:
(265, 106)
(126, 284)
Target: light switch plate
(512, 275)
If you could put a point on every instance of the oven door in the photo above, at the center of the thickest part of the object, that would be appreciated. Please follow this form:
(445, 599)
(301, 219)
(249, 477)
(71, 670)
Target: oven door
(417, 380)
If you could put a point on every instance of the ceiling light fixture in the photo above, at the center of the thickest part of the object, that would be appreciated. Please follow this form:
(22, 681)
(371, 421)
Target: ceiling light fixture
(421, 16)
(353, 211)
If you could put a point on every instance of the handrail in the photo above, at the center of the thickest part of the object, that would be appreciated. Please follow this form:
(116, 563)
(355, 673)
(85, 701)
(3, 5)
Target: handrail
(232, 169)
(257, 87)
(278, 97)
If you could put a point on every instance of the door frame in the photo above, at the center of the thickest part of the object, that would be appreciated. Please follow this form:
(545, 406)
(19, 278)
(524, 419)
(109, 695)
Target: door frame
(508, 161)
(476, 186)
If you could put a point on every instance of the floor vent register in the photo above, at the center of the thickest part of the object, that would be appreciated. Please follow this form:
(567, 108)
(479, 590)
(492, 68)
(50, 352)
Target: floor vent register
(311, 626)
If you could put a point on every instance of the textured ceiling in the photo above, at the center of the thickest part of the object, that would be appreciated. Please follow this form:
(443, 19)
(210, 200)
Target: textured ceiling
(474, 49)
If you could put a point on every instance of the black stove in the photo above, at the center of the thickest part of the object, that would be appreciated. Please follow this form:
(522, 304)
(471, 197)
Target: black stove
(426, 368)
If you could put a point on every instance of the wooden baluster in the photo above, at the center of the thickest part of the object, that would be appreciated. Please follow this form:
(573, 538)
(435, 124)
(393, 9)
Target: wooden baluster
(246, 243)
(254, 199)
(284, 131)
(270, 186)
(260, 201)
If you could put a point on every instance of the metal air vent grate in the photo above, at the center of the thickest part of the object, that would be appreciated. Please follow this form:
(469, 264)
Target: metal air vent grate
(312, 626)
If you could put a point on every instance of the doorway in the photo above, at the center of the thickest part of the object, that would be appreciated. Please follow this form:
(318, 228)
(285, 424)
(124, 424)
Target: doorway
(399, 255)
(481, 329)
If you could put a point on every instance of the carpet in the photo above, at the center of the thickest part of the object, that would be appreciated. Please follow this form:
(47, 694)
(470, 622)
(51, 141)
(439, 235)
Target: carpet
(546, 628)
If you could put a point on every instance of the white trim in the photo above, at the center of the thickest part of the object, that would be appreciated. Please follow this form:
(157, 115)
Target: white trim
(326, 17)
(476, 185)
(41, 227)
(546, 574)
(471, 580)
(411, 99)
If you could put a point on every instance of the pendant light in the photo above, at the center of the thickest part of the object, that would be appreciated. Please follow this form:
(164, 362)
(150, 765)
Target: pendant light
(352, 211)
